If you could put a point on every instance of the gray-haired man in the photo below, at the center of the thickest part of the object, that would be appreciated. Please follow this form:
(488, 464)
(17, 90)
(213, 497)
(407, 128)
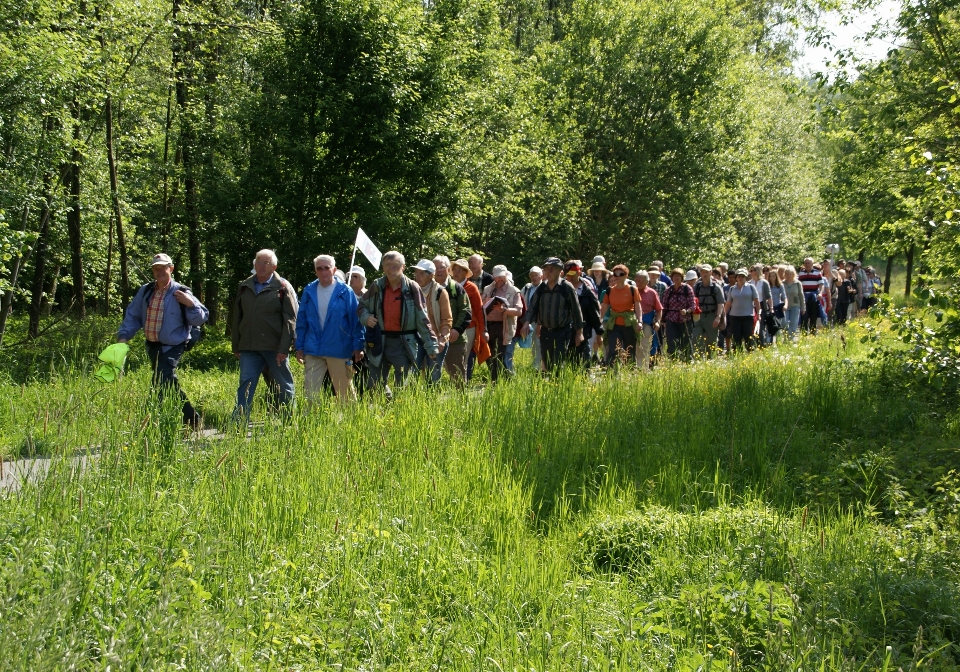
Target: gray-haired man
(264, 329)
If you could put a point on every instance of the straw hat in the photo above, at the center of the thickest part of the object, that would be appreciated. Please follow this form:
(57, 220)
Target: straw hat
(462, 263)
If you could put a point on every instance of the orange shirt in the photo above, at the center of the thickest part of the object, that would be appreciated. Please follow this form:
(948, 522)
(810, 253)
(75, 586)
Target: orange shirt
(621, 300)
(392, 302)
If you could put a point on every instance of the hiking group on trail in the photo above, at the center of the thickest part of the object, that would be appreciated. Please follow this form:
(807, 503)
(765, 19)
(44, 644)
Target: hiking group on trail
(454, 315)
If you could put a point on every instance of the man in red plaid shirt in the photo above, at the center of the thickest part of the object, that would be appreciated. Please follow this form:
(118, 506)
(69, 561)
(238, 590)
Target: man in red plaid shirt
(167, 312)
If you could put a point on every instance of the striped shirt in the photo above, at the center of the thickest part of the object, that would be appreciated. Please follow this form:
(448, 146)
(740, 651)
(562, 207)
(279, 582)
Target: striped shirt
(556, 308)
(154, 320)
(810, 280)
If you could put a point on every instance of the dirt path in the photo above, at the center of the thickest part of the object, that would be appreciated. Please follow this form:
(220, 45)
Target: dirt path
(15, 473)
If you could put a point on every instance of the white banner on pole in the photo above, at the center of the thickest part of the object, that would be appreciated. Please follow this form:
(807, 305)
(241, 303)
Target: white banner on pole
(370, 251)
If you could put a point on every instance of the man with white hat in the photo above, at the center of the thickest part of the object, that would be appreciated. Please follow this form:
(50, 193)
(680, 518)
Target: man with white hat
(710, 300)
(438, 311)
(170, 317)
(502, 306)
(358, 280)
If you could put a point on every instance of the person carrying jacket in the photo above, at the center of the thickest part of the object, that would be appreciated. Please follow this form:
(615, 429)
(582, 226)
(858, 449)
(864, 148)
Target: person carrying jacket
(329, 334)
(167, 312)
(263, 331)
(394, 306)
(524, 325)
(478, 350)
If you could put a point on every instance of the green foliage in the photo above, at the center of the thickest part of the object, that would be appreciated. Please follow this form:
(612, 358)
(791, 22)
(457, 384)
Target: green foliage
(928, 336)
(415, 535)
(895, 141)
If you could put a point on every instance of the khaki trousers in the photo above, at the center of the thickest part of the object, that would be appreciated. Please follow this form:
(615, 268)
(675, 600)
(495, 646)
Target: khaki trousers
(341, 375)
(644, 346)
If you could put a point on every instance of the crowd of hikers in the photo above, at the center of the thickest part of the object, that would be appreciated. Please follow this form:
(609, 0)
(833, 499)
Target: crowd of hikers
(454, 315)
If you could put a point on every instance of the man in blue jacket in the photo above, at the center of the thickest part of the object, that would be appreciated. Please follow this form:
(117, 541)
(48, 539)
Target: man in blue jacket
(167, 312)
(329, 335)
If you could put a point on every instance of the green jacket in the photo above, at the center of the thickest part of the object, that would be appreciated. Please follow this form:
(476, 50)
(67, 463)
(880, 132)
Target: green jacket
(459, 306)
(413, 318)
(264, 321)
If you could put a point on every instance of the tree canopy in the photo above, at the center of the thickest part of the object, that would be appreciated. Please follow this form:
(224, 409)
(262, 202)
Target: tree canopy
(516, 128)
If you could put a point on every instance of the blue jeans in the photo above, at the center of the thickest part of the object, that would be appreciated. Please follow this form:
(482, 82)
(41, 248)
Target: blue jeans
(508, 354)
(435, 368)
(793, 319)
(252, 363)
(471, 360)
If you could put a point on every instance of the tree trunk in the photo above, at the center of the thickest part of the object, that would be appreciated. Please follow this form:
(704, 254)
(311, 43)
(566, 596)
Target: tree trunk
(46, 305)
(6, 301)
(182, 50)
(107, 279)
(886, 275)
(118, 218)
(906, 291)
(165, 225)
(40, 262)
(212, 295)
(71, 182)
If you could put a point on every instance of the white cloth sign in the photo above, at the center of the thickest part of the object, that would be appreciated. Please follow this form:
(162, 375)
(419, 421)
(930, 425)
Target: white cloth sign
(370, 251)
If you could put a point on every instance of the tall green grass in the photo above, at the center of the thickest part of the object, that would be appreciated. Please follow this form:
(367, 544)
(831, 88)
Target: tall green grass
(721, 515)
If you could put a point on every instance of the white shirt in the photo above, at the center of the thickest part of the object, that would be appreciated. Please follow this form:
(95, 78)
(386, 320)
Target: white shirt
(323, 300)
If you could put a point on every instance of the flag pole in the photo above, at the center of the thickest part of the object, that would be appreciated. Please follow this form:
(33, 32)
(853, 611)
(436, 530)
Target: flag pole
(353, 256)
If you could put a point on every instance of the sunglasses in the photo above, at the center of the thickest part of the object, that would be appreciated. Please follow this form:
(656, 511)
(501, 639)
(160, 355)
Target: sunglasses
(323, 268)
(620, 274)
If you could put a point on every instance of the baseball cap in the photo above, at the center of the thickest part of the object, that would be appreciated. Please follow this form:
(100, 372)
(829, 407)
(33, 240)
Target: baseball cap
(536, 269)
(426, 265)
(553, 261)
(161, 260)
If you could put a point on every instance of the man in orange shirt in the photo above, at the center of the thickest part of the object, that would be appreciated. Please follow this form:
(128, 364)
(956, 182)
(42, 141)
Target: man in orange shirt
(395, 304)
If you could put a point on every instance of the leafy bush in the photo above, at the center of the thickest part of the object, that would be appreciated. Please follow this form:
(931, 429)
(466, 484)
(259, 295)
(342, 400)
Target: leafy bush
(759, 587)
(930, 334)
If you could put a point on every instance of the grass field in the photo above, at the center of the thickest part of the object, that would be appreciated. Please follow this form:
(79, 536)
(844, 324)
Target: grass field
(789, 510)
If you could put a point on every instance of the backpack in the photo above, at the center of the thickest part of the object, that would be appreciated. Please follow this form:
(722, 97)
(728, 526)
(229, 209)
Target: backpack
(698, 296)
(196, 333)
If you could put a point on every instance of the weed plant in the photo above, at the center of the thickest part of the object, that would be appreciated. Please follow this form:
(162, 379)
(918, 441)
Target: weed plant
(784, 510)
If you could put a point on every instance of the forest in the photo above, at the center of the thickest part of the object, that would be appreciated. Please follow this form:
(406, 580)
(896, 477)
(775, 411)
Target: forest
(792, 508)
(637, 129)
